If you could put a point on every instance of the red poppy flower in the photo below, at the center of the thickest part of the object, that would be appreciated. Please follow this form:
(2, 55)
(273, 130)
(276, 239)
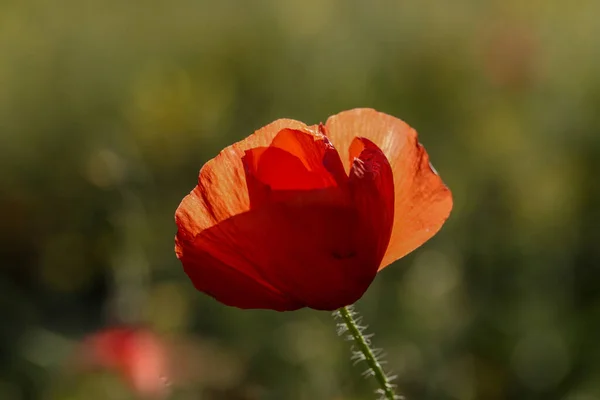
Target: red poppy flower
(138, 355)
(305, 216)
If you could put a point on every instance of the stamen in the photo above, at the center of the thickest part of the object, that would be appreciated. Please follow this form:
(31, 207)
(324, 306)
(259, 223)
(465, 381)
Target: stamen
(322, 129)
(359, 167)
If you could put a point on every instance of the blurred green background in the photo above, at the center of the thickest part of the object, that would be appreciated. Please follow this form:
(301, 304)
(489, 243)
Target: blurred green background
(108, 109)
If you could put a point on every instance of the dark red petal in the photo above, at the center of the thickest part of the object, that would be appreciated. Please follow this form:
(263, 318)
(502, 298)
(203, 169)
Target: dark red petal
(312, 254)
(303, 242)
(211, 263)
(372, 187)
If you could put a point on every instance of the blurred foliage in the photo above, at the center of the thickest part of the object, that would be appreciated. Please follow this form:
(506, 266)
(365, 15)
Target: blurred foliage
(108, 110)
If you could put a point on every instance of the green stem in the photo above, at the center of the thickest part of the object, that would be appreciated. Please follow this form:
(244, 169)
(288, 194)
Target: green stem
(367, 354)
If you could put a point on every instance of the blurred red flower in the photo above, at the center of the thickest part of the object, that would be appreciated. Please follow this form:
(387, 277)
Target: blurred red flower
(305, 216)
(137, 354)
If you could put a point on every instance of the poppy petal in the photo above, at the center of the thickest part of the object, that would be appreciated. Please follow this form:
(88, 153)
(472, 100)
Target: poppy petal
(140, 356)
(372, 186)
(295, 161)
(304, 248)
(221, 191)
(320, 158)
(422, 201)
(311, 254)
(239, 286)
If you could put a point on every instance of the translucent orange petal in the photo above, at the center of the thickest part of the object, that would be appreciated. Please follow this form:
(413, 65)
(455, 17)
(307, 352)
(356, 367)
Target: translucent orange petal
(422, 201)
(222, 191)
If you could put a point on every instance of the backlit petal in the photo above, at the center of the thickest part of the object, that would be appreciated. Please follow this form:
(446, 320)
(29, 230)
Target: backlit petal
(304, 244)
(221, 191)
(205, 260)
(312, 254)
(422, 201)
(295, 161)
(372, 187)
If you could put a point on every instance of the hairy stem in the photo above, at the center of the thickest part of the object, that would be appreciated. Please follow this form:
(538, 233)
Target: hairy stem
(363, 352)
